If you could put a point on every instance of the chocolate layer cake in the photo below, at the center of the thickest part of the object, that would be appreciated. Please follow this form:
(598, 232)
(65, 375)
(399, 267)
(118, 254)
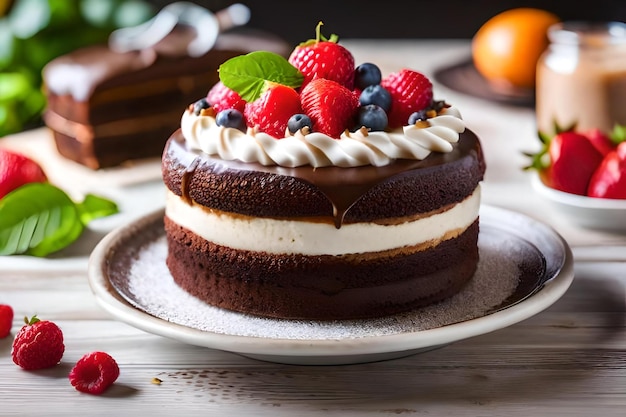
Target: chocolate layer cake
(106, 108)
(322, 243)
(293, 195)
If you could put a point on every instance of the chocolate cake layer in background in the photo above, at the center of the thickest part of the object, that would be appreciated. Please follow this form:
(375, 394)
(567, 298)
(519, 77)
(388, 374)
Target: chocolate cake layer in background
(106, 108)
(399, 191)
(320, 287)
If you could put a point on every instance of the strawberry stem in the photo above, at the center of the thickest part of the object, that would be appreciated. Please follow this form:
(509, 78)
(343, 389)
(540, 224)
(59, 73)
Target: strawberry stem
(31, 321)
(618, 135)
(319, 37)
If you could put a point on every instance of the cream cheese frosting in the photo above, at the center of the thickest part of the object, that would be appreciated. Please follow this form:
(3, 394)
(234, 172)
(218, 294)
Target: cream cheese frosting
(352, 149)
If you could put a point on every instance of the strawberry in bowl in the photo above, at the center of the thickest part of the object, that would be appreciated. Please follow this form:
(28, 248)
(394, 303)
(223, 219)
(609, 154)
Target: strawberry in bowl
(583, 174)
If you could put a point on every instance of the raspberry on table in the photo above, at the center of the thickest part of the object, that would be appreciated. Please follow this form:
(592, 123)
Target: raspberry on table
(38, 344)
(94, 373)
(6, 320)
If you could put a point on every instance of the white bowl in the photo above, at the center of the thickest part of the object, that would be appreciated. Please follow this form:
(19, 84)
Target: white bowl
(595, 213)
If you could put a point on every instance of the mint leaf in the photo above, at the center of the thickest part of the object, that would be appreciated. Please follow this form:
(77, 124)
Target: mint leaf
(94, 207)
(38, 219)
(248, 74)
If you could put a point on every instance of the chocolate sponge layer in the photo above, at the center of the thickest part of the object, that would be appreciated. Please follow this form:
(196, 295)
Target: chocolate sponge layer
(319, 287)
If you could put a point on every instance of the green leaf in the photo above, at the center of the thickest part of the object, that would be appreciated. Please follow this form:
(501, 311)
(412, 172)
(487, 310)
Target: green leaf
(94, 207)
(37, 219)
(249, 74)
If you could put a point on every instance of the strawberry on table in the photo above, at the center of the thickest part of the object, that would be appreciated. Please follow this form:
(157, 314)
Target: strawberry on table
(271, 112)
(6, 320)
(324, 58)
(16, 170)
(38, 344)
(609, 179)
(410, 92)
(331, 106)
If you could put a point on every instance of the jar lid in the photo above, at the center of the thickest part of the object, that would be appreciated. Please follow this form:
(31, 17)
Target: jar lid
(587, 33)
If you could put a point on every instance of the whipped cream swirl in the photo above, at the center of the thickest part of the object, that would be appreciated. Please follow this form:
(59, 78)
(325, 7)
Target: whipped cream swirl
(352, 149)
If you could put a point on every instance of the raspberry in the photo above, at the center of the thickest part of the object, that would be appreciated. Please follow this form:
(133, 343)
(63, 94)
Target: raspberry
(94, 373)
(6, 320)
(38, 345)
(410, 92)
(221, 98)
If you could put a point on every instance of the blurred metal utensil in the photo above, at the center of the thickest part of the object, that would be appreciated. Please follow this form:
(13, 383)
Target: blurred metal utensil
(207, 26)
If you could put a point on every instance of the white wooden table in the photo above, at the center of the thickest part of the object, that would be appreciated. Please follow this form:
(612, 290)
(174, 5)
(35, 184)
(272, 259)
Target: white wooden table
(569, 360)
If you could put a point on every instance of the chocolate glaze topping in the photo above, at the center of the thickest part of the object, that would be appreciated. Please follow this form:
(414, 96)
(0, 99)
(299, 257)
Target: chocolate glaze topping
(340, 195)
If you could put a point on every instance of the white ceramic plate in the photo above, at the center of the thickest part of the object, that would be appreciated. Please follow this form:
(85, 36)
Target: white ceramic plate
(593, 213)
(130, 280)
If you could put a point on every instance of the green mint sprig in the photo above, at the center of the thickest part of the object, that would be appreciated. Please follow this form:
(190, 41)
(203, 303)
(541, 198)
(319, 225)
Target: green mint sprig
(250, 74)
(38, 219)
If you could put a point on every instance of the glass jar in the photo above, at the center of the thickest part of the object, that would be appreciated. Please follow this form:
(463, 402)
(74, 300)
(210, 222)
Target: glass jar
(581, 77)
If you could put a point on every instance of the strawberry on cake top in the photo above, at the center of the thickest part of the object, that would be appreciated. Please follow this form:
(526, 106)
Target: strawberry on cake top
(323, 109)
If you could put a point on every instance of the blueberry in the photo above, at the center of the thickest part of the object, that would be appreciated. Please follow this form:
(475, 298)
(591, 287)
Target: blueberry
(298, 121)
(200, 105)
(373, 117)
(231, 118)
(416, 116)
(367, 74)
(376, 94)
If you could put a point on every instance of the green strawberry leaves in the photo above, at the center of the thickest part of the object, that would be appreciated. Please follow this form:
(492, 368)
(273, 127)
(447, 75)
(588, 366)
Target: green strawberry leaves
(249, 74)
(541, 161)
(38, 219)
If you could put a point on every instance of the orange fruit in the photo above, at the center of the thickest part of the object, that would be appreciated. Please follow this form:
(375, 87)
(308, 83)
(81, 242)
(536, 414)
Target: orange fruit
(506, 48)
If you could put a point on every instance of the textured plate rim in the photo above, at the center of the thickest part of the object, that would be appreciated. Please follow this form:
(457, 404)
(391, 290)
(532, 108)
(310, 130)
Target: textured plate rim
(111, 301)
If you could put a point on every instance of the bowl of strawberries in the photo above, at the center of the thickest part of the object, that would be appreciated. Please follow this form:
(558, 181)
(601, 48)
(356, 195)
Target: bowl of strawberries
(583, 175)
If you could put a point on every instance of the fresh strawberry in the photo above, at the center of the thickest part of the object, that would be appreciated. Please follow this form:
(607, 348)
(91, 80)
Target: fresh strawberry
(16, 170)
(573, 159)
(410, 92)
(271, 112)
(38, 345)
(331, 106)
(94, 373)
(324, 58)
(601, 141)
(221, 98)
(6, 320)
(609, 179)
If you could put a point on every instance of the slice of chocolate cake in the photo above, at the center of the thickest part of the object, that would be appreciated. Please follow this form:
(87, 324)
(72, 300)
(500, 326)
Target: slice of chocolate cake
(107, 107)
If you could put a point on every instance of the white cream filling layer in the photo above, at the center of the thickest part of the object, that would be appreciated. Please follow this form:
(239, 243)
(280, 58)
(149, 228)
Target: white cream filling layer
(308, 238)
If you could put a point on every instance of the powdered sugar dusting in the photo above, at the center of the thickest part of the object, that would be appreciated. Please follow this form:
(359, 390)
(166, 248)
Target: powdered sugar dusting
(155, 292)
